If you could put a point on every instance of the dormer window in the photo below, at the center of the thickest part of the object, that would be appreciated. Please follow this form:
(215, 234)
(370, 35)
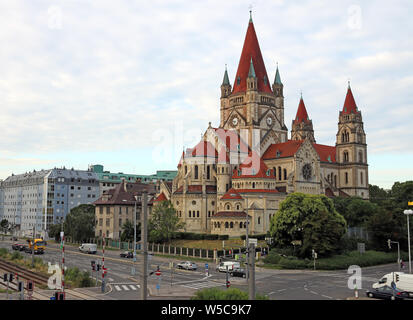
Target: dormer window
(238, 80)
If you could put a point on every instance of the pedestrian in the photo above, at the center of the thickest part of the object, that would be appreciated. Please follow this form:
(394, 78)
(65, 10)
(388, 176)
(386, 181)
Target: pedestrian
(401, 264)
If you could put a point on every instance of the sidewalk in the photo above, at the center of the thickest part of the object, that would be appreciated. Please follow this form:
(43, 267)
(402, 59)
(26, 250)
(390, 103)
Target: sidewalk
(170, 292)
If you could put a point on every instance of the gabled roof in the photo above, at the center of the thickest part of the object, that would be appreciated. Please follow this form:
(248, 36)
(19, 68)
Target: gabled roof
(326, 153)
(204, 148)
(290, 148)
(277, 79)
(302, 115)
(161, 197)
(251, 51)
(253, 167)
(349, 103)
(232, 194)
(282, 150)
(124, 194)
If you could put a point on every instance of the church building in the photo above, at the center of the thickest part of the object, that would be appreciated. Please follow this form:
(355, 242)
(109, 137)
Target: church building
(242, 169)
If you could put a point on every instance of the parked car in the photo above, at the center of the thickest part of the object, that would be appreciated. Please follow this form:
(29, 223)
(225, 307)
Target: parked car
(387, 292)
(222, 267)
(18, 246)
(88, 248)
(126, 254)
(188, 265)
(238, 272)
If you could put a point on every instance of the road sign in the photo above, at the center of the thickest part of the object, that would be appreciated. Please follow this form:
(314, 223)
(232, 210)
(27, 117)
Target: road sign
(206, 265)
(158, 272)
(410, 203)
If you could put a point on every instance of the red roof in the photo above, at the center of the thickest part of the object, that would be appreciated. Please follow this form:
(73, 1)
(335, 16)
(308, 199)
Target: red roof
(289, 149)
(282, 150)
(302, 115)
(232, 194)
(223, 156)
(349, 104)
(253, 167)
(182, 159)
(251, 49)
(326, 153)
(161, 197)
(204, 148)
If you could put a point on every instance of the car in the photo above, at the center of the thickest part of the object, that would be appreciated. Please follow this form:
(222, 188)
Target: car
(238, 272)
(188, 265)
(227, 266)
(126, 254)
(387, 292)
(18, 246)
(88, 248)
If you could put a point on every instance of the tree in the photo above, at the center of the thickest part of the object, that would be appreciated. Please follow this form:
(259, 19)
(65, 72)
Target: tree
(311, 220)
(129, 231)
(4, 224)
(355, 210)
(54, 231)
(80, 222)
(163, 222)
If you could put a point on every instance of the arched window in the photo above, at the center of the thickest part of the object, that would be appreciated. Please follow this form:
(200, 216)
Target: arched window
(285, 174)
(197, 214)
(196, 172)
(275, 172)
(279, 173)
(208, 172)
(226, 225)
(335, 181)
(360, 156)
(253, 185)
(228, 207)
(361, 178)
(231, 225)
(240, 225)
(190, 213)
(259, 220)
(345, 156)
(346, 177)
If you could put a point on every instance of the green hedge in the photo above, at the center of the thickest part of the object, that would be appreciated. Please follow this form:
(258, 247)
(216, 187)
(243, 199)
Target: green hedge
(198, 236)
(343, 261)
(255, 236)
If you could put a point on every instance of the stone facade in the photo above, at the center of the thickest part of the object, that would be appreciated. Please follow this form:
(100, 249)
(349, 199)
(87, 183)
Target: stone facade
(247, 166)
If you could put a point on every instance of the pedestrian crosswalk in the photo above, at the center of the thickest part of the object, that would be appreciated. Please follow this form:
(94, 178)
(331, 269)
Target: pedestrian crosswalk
(202, 284)
(126, 287)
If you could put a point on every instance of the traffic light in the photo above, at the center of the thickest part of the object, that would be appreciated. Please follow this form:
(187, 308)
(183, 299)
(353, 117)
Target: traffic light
(397, 277)
(228, 284)
(389, 243)
(5, 277)
(97, 267)
(93, 265)
(30, 286)
(11, 277)
(20, 286)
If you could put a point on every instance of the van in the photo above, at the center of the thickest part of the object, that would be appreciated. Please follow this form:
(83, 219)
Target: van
(88, 248)
(222, 267)
(401, 280)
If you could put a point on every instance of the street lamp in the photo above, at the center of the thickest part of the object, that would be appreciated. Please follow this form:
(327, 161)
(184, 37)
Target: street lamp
(407, 213)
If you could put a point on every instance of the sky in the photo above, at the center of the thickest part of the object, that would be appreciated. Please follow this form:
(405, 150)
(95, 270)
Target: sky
(129, 84)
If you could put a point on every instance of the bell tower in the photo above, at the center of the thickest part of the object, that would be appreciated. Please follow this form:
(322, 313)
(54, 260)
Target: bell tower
(351, 150)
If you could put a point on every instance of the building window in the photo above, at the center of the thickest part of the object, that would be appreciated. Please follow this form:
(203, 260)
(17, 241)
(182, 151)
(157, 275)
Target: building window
(345, 156)
(190, 213)
(231, 225)
(279, 173)
(259, 220)
(361, 177)
(346, 177)
(226, 225)
(197, 214)
(196, 172)
(285, 174)
(208, 172)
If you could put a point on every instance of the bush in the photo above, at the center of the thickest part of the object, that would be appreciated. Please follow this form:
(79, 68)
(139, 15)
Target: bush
(226, 294)
(3, 252)
(16, 256)
(223, 237)
(77, 278)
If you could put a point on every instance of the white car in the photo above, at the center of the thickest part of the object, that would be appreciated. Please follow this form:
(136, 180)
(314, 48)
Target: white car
(188, 265)
(222, 267)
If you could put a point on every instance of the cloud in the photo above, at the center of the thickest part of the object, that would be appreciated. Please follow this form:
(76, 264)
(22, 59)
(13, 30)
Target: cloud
(94, 76)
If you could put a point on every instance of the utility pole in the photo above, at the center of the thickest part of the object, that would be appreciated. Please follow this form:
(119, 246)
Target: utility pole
(134, 238)
(251, 280)
(144, 237)
(246, 245)
(34, 230)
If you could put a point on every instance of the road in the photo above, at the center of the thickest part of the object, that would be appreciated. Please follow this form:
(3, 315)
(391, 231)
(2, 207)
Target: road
(277, 284)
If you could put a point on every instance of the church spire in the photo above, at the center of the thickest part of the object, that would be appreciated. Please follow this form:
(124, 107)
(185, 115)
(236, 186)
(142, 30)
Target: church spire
(251, 72)
(277, 79)
(349, 103)
(251, 50)
(225, 81)
(302, 126)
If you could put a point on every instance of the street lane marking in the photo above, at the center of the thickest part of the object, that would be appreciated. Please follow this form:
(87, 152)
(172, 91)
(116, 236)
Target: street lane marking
(125, 288)
(118, 288)
(133, 287)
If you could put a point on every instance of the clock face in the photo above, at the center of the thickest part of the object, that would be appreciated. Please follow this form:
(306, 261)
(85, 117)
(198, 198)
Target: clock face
(235, 121)
(269, 121)
(307, 171)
